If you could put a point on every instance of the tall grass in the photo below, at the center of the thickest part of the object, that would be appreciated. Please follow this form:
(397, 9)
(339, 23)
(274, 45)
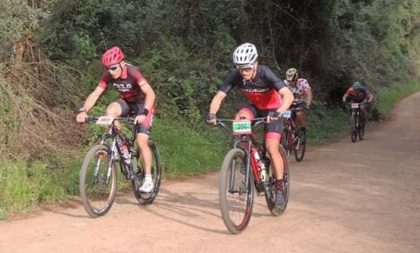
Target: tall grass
(185, 152)
(387, 97)
(24, 185)
(325, 123)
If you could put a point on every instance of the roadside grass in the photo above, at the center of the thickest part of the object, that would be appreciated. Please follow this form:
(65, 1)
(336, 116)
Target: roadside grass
(387, 97)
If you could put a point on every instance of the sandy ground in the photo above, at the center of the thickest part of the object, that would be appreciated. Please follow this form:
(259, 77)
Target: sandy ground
(345, 197)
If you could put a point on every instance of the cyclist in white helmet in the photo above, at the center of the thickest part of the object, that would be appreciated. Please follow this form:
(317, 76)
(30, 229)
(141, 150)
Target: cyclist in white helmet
(267, 96)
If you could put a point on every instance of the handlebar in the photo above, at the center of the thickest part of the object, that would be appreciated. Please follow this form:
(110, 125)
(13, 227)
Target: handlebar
(108, 120)
(255, 121)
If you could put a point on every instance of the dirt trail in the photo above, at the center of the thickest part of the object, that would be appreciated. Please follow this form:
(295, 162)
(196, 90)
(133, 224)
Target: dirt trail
(345, 197)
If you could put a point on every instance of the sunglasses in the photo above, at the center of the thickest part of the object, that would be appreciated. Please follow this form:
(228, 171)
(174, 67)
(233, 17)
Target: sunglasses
(113, 68)
(245, 69)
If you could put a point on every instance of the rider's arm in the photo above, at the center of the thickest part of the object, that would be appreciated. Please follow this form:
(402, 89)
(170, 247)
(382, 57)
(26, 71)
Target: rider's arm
(150, 94)
(345, 97)
(217, 101)
(287, 99)
(92, 98)
(369, 97)
(309, 95)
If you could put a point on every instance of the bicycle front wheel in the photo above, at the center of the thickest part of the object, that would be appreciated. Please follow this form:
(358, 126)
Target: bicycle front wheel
(236, 194)
(98, 181)
(143, 197)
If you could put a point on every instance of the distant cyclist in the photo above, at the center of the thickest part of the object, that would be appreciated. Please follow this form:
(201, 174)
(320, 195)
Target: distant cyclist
(358, 94)
(302, 92)
(136, 97)
(267, 96)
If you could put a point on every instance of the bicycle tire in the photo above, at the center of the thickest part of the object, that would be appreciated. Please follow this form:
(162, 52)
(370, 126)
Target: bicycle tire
(285, 142)
(270, 194)
(137, 181)
(300, 145)
(361, 129)
(236, 199)
(353, 132)
(98, 200)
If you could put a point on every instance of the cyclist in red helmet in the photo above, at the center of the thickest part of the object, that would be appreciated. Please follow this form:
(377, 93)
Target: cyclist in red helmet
(137, 97)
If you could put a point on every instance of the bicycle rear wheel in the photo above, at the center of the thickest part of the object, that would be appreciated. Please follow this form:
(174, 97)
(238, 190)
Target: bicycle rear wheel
(145, 198)
(361, 130)
(285, 141)
(270, 194)
(98, 181)
(236, 194)
(300, 145)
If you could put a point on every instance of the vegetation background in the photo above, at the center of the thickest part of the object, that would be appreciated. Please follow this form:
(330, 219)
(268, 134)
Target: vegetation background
(49, 62)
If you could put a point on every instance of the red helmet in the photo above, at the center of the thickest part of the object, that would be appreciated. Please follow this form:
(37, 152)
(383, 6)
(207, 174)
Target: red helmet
(112, 56)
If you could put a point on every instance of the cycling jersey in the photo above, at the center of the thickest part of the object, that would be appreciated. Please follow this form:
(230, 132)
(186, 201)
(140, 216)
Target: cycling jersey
(358, 95)
(299, 90)
(261, 91)
(127, 84)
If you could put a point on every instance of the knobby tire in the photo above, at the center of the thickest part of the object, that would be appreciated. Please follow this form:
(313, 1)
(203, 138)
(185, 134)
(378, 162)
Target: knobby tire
(97, 193)
(270, 194)
(236, 198)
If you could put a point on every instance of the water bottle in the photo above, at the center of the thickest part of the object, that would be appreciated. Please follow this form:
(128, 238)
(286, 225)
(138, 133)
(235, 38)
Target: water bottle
(263, 173)
(125, 153)
(260, 164)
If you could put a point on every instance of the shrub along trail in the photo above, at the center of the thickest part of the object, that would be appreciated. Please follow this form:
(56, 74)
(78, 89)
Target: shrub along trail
(345, 197)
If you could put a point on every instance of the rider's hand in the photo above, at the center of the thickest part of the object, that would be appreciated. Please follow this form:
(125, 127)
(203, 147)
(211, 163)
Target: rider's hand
(139, 119)
(81, 117)
(272, 116)
(211, 119)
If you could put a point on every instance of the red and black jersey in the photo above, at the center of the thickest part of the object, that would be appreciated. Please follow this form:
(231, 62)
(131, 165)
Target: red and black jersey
(128, 84)
(358, 95)
(261, 91)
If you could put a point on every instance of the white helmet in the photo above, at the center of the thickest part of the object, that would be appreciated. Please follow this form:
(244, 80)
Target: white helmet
(245, 54)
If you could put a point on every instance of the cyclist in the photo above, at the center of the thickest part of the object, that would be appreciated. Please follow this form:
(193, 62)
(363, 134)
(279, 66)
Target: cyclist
(267, 96)
(302, 92)
(136, 98)
(358, 94)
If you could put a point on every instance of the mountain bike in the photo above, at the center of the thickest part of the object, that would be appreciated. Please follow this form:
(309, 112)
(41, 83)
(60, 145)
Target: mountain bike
(357, 121)
(98, 174)
(246, 168)
(291, 139)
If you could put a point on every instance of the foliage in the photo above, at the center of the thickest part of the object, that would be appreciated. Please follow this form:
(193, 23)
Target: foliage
(49, 63)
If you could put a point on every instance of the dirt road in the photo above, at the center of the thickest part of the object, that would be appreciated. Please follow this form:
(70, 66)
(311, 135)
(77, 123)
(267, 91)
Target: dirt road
(345, 197)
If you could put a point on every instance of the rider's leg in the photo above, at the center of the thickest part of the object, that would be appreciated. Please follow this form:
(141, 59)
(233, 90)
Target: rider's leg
(245, 113)
(146, 153)
(300, 120)
(272, 143)
(142, 139)
(117, 109)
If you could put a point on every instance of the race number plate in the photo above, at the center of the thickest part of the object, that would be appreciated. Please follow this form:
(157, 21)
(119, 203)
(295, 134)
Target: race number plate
(287, 114)
(104, 121)
(354, 105)
(241, 127)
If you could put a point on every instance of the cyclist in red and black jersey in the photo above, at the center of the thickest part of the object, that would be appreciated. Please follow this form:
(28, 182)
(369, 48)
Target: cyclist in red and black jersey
(267, 96)
(359, 94)
(136, 98)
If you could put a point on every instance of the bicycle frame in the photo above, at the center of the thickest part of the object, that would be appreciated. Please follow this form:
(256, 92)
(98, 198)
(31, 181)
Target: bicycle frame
(246, 142)
(116, 138)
